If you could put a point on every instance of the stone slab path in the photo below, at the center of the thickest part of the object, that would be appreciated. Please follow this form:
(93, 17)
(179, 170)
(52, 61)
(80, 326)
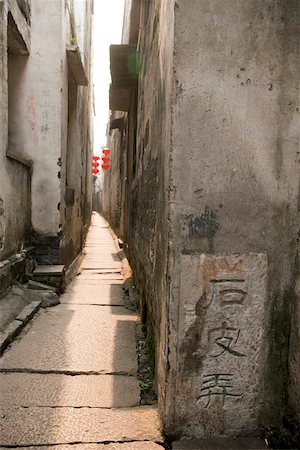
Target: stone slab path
(69, 380)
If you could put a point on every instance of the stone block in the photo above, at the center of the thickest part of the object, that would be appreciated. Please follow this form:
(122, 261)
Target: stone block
(4, 341)
(222, 334)
(49, 270)
(46, 298)
(9, 334)
(57, 390)
(49, 299)
(140, 445)
(79, 340)
(35, 285)
(29, 311)
(50, 426)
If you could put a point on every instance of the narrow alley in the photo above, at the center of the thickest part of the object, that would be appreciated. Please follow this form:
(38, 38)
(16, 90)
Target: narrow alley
(70, 377)
(149, 224)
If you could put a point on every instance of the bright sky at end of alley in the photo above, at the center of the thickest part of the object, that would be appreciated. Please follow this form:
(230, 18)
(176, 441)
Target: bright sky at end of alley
(108, 21)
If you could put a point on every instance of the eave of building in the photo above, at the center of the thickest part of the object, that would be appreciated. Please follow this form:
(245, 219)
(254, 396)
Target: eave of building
(76, 65)
(18, 30)
(122, 79)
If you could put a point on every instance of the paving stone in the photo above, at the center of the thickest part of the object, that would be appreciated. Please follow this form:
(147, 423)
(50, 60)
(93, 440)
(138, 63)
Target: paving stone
(103, 294)
(98, 391)
(98, 220)
(107, 258)
(94, 252)
(103, 248)
(103, 265)
(77, 338)
(101, 270)
(48, 426)
(220, 444)
(99, 276)
(97, 281)
(114, 446)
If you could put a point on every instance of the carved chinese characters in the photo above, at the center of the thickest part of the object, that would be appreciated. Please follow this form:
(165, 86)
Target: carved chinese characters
(221, 354)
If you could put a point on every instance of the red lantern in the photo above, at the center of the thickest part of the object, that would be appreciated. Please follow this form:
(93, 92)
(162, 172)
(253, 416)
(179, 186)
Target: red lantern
(106, 151)
(95, 164)
(95, 171)
(96, 158)
(105, 159)
(105, 166)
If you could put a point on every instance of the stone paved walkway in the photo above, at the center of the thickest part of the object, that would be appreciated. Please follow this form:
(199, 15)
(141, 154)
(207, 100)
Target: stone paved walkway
(69, 381)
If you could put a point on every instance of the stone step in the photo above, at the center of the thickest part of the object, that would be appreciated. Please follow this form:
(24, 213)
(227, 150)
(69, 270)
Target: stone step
(52, 275)
(49, 270)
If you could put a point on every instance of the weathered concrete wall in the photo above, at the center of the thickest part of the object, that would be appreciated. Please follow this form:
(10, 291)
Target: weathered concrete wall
(37, 135)
(75, 171)
(15, 201)
(149, 226)
(35, 126)
(146, 224)
(235, 184)
(211, 208)
(144, 162)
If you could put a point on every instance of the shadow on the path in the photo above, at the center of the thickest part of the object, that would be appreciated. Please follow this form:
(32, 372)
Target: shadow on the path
(71, 375)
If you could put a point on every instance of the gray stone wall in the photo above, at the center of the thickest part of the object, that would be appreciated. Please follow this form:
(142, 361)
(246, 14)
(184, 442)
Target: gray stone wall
(143, 161)
(15, 176)
(235, 175)
(35, 204)
(148, 228)
(211, 209)
(76, 137)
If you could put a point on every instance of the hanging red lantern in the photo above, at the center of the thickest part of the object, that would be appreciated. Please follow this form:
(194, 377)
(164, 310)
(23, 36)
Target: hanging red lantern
(105, 166)
(106, 151)
(96, 158)
(95, 164)
(105, 159)
(95, 171)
